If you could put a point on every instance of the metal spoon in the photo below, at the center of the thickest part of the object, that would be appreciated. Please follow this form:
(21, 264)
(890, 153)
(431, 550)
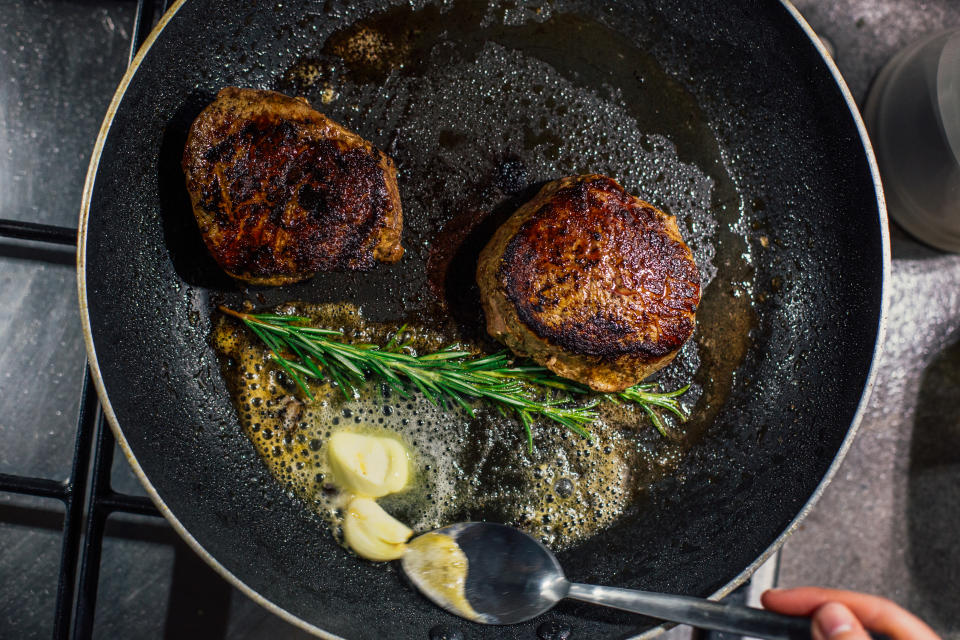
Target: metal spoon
(511, 578)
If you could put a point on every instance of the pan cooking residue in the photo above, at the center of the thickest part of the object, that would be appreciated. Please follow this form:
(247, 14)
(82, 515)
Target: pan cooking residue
(479, 106)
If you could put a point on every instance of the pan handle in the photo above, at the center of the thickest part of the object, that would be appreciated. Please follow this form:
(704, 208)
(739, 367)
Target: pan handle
(697, 612)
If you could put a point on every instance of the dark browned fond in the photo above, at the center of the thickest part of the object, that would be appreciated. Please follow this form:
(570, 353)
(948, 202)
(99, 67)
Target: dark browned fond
(280, 191)
(591, 282)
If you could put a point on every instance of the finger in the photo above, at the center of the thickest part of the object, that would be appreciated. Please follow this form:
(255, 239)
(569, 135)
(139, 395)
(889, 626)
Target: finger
(874, 612)
(802, 601)
(833, 621)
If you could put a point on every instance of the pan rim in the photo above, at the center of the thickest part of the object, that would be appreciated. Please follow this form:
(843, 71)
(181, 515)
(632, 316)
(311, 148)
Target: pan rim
(881, 321)
(295, 620)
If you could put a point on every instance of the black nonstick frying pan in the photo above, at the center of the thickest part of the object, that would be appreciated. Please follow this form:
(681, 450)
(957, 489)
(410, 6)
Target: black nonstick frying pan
(726, 113)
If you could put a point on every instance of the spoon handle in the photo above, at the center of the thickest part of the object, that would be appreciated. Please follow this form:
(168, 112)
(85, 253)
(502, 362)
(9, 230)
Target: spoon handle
(697, 612)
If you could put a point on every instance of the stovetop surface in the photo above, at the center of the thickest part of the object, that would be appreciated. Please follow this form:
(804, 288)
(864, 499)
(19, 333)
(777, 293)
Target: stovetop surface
(886, 524)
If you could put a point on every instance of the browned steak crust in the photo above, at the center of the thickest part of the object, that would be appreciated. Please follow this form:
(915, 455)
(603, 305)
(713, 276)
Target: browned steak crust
(280, 191)
(591, 282)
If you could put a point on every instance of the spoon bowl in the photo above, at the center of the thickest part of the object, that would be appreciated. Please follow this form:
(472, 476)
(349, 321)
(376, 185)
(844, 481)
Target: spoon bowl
(509, 577)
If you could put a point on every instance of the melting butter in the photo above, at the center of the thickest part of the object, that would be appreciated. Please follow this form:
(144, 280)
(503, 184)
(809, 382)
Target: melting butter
(436, 564)
(372, 532)
(368, 465)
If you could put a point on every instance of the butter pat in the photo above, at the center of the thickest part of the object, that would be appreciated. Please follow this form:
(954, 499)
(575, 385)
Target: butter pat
(373, 533)
(368, 465)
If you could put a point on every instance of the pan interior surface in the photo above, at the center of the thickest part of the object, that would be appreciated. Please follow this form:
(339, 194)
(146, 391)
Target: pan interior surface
(725, 117)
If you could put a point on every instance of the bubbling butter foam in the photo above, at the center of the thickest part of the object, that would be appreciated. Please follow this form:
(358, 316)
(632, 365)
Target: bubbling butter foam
(463, 467)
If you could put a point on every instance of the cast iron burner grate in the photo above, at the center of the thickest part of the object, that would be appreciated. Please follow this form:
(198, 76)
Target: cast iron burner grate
(87, 494)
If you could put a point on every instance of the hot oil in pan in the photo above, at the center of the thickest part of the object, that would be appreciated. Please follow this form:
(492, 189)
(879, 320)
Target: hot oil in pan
(466, 468)
(479, 106)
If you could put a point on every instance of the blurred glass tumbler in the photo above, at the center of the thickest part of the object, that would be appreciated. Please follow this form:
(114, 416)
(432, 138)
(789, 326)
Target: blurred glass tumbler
(913, 116)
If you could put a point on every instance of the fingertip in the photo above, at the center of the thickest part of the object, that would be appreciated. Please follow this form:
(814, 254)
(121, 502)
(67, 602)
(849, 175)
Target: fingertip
(797, 601)
(834, 621)
(852, 634)
(774, 597)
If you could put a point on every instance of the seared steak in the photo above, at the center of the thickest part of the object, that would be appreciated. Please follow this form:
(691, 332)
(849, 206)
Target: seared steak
(280, 191)
(591, 282)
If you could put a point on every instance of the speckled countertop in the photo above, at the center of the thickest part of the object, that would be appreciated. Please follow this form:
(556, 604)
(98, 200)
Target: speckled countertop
(888, 522)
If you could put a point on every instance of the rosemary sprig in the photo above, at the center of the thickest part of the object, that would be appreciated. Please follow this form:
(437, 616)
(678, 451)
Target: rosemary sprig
(643, 394)
(447, 375)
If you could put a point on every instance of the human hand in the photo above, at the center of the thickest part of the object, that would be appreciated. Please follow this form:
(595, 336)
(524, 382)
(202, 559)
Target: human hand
(842, 615)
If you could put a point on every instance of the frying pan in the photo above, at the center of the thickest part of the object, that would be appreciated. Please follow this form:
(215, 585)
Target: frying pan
(727, 114)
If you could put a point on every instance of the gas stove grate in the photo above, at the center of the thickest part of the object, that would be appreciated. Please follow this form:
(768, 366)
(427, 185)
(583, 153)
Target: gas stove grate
(87, 495)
